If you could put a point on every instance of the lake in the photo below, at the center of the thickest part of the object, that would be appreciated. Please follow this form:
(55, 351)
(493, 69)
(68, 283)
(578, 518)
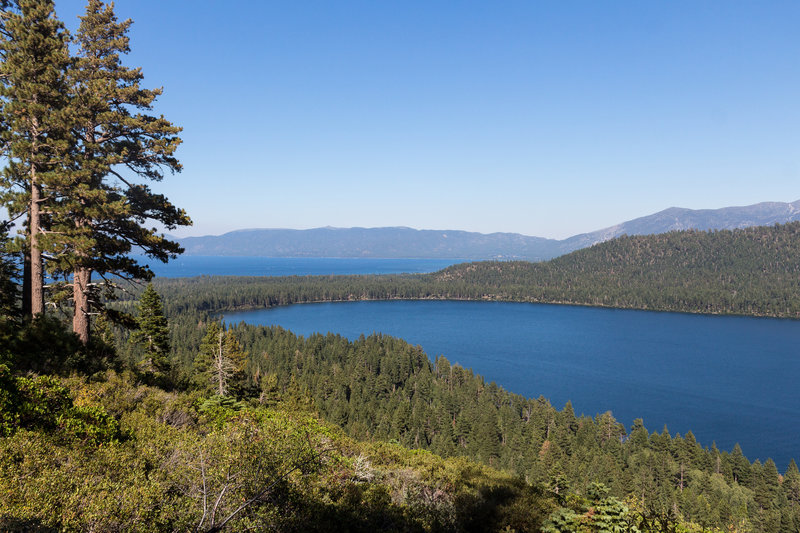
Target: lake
(199, 265)
(727, 379)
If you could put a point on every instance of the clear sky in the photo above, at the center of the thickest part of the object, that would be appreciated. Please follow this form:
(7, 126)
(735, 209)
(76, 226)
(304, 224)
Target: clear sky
(542, 118)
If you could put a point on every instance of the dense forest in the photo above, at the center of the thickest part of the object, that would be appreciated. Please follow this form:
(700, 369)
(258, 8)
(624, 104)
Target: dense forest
(108, 451)
(380, 388)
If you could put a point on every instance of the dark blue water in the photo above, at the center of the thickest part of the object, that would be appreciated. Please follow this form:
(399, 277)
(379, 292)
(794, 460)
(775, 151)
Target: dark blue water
(198, 265)
(727, 379)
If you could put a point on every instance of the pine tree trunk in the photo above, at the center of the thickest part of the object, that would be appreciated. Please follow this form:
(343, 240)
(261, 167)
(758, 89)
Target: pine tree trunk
(37, 267)
(80, 296)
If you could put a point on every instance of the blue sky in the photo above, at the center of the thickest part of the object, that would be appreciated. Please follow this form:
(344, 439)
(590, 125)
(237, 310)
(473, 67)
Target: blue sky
(542, 118)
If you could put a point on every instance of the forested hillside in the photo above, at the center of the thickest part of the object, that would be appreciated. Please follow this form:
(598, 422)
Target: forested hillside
(230, 391)
(383, 388)
(753, 271)
(110, 454)
(380, 387)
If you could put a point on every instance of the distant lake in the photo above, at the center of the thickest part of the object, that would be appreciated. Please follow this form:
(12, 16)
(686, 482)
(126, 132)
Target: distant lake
(727, 379)
(199, 265)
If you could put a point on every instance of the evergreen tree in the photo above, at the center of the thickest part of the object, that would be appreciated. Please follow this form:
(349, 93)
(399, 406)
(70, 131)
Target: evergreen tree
(791, 484)
(33, 103)
(114, 139)
(740, 466)
(9, 315)
(219, 367)
(153, 334)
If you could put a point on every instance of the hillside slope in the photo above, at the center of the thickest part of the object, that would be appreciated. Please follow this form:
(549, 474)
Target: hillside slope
(752, 271)
(114, 455)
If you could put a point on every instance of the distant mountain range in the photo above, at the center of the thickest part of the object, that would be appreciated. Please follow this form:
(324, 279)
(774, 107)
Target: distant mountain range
(402, 242)
(678, 218)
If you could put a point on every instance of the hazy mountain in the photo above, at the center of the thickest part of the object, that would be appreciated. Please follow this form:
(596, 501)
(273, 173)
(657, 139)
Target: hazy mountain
(677, 218)
(398, 242)
(372, 242)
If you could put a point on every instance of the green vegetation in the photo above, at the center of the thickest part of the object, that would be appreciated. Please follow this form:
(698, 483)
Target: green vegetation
(219, 367)
(752, 271)
(152, 333)
(108, 452)
(173, 465)
(382, 388)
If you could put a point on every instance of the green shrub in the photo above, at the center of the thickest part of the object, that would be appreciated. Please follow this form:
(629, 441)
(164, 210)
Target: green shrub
(9, 417)
(90, 424)
(44, 403)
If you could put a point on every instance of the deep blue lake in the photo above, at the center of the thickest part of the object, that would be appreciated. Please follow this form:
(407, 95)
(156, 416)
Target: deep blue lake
(200, 265)
(727, 379)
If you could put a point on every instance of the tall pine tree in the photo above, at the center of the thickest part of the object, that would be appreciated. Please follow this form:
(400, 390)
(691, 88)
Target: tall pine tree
(34, 119)
(116, 141)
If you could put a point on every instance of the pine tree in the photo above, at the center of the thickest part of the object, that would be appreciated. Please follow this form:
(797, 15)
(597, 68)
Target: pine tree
(33, 100)
(153, 334)
(9, 312)
(740, 466)
(791, 484)
(114, 139)
(219, 367)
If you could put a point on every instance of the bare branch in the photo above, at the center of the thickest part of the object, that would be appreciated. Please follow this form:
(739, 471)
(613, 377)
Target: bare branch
(117, 174)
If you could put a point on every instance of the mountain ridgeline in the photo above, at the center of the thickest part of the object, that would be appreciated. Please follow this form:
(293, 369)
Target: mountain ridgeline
(752, 271)
(398, 242)
(401, 242)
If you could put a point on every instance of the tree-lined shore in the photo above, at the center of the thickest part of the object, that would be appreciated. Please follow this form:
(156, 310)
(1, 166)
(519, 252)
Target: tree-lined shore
(752, 271)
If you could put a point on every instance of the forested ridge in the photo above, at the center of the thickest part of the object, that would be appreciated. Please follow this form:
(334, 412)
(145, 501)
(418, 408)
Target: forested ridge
(752, 271)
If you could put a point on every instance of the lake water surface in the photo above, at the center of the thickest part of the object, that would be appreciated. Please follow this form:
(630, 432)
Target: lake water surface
(727, 379)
